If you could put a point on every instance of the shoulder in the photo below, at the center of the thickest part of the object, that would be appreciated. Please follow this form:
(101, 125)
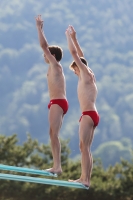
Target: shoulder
(56, 64)
(56, 67)
(87, 73)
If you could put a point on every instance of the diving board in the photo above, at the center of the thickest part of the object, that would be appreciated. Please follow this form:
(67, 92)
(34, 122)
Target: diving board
(26, 170)
(42, 181)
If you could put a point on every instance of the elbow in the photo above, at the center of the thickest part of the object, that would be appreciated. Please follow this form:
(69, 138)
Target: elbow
(81, 54)
(73, 52)
(43, 45)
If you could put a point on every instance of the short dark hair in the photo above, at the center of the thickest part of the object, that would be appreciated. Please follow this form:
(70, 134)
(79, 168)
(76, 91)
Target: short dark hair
(57, 51)
(74, 63)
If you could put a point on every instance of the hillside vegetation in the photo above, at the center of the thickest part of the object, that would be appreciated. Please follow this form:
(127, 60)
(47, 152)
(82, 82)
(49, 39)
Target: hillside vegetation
(105, 32)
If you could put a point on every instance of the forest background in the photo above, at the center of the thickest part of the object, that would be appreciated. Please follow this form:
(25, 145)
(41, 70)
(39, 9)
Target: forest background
(105, 32)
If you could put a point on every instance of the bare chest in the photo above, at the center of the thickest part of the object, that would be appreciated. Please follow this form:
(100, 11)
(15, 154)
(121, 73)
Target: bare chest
(86, 90)
(56, 84)
(55, 78)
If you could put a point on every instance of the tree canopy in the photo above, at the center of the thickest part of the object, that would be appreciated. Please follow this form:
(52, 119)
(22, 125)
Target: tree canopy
(104, 31)
(113, 183)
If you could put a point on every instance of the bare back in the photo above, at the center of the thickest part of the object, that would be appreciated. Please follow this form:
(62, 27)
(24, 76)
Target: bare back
(87, 90)
(56, 82)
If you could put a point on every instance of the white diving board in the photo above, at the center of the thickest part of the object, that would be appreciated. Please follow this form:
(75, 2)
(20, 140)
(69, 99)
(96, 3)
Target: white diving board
(42, 181)
(26, 170)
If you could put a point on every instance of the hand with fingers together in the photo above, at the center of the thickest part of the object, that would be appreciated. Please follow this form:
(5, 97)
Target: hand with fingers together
(39, 22)
(72, 31)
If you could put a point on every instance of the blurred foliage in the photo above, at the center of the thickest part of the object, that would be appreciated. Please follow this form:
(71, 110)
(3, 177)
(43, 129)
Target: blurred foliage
(112, 152)
(113, 183)
(104, 30)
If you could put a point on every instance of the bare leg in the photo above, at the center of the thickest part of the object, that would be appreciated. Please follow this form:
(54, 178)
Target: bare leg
(86, 132)
(55, 121)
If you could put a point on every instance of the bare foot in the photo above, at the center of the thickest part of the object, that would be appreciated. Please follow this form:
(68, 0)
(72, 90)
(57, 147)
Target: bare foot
(85, 183)
(53, 171)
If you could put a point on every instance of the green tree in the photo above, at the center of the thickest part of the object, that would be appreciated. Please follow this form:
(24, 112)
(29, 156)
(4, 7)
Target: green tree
(113, 183)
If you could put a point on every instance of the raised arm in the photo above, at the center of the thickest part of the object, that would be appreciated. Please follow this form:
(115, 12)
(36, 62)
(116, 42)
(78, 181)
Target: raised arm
(42, 39)
(74, 52)
(75, 41)
(73, 49)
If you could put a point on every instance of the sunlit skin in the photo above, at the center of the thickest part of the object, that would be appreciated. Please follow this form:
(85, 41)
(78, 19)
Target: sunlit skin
(57, 90)
(45, 59)
(87, 93)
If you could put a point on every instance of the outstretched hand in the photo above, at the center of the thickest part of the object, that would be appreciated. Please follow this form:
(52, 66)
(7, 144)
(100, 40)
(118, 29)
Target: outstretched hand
(39, 22)
(72, 41)
(72, 31)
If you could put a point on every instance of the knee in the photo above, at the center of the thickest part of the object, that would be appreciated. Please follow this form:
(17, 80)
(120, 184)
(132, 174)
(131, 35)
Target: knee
(53, 134)
(83, 146)
(80, 146)
(54, 127)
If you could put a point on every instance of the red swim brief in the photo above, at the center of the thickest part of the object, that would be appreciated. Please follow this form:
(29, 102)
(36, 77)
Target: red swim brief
(63, 103)
(94, 116)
